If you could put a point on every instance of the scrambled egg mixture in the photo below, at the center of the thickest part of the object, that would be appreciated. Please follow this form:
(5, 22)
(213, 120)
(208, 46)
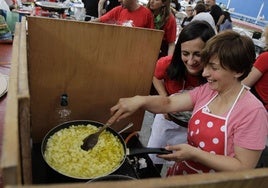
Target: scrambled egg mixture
(64, 154)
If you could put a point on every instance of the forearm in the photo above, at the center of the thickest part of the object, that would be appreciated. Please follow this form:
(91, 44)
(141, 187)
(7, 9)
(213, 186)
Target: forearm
(253, 77)
(171, 48)
(220, 20)
(155, 104)
(100, 7)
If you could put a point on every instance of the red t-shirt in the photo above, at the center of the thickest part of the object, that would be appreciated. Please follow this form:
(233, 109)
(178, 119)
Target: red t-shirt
(173, 86)
(170, 29)
(261, 85)
(142, 17)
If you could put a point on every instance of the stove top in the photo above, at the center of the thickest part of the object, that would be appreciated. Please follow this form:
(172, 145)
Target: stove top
(137, 166)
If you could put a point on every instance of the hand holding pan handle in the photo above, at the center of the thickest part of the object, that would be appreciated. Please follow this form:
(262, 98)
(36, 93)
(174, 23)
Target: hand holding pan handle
(146, 150)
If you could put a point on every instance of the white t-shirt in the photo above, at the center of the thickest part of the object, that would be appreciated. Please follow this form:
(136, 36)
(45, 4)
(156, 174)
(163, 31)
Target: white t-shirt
(205, 16)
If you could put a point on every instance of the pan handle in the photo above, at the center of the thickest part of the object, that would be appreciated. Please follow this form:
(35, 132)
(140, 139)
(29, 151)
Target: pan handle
(147, 150)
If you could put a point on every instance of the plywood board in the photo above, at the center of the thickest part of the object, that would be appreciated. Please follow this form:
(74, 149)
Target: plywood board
(94, 63)
(24, 108)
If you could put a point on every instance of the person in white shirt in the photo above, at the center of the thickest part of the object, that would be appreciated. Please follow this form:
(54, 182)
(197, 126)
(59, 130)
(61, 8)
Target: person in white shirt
(201, 14)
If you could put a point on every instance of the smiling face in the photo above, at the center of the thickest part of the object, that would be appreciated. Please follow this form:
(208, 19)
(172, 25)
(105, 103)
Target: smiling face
(190, 54)
(219, 78)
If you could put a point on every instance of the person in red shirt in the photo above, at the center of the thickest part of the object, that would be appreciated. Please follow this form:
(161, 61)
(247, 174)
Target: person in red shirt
(258, 77)
(164, 20)
(130, 13)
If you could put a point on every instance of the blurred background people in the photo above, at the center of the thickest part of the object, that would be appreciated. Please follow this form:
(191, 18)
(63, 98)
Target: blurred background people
(176, 74)
(91, 7)
(164, 20)
(129, 13)
(106, 5)
(5, 33)
(190, 14)
(200, 13)
(216, 12)
(227, 22)
(175, 6)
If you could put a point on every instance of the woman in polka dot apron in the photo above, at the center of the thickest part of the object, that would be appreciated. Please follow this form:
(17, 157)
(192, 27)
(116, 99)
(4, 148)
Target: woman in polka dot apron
(202, 122)
(229, 125)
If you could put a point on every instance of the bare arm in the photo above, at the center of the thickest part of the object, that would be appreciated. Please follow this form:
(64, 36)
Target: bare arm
(101, 11)
(159, 86)
(155, 104)
(253, 77)
(243, 159)
(221, 18)
(171, 48)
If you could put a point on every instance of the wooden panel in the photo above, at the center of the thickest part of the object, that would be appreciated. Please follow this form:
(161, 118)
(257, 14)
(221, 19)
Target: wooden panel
(246, 179)
(10, 161)
(95, 64)
(24, 108)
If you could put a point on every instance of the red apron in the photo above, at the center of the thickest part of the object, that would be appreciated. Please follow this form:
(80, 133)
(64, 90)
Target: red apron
(202, 123)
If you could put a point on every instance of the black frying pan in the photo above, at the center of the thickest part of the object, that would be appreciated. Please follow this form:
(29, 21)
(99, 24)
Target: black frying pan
(133, 151)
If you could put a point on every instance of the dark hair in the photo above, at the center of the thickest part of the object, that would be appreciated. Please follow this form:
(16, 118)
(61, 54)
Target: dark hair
(164, 13)
(235, 52)
(195, 29)
(200, 7)
(227, 16)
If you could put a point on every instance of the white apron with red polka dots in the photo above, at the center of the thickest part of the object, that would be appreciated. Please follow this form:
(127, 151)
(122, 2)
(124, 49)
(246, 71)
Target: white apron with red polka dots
(207, 132)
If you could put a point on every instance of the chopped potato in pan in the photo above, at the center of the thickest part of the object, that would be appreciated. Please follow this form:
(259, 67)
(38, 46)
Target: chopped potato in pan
(64, 154)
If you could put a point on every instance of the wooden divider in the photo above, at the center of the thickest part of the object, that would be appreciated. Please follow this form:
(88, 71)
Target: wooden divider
(94, 64)
(24, 108)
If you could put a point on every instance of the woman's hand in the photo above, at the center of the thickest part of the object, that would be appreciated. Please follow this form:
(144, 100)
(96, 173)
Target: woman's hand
(180, 152)
(124, 108)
